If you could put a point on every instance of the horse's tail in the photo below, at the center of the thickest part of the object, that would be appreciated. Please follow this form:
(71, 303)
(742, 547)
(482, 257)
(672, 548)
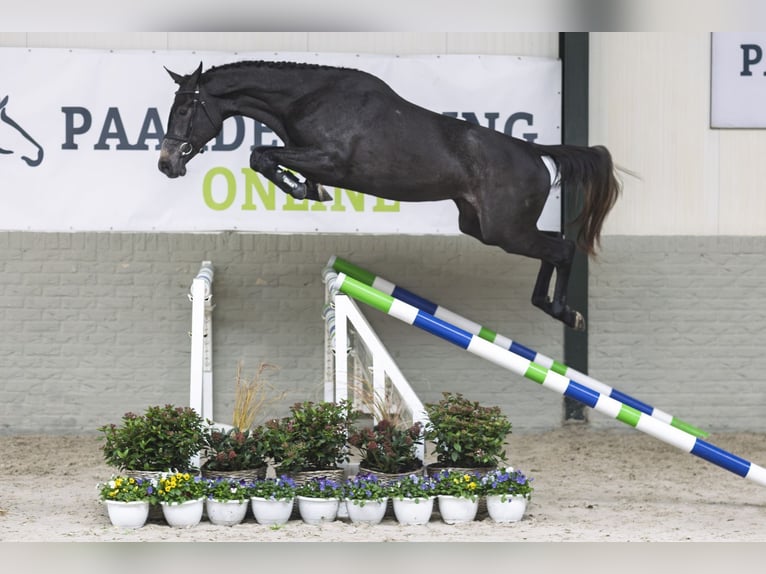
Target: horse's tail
(591, 170)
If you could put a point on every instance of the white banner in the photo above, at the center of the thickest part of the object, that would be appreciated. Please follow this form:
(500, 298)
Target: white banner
(80, 133)
(738, 80)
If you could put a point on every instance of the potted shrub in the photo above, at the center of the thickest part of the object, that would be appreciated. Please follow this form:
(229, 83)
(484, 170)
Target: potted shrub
(182, 496)
(318, 499)
(127, 500)
(413, 498)
(272, 499)
(465, 434)
(366, 498)
(161, 439)
(227, 501)
(311, 441)
(235, 454)
(458, 494)
(388, 450)
(508, 492)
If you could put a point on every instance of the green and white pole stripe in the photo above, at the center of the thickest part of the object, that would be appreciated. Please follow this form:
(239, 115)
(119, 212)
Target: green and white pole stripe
(546, 377)
(368, 278)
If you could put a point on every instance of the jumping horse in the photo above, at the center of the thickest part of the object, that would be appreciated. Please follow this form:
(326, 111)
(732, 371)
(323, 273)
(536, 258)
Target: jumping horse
(347, 128)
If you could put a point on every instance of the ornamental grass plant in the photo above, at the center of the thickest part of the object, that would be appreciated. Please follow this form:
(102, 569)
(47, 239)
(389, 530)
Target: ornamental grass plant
(466, 434)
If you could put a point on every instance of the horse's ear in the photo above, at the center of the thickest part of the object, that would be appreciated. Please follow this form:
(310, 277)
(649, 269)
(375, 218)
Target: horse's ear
(176, 77)
(197, 73)
(3, 102)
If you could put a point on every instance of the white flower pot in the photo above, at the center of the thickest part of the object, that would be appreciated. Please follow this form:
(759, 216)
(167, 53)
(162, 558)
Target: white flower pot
(225, 512)
(317, 510)
(127, 514)
(512, 510)
(271, 512)
(413, 510)
(183, 514)
(456, 509)
(366, 511)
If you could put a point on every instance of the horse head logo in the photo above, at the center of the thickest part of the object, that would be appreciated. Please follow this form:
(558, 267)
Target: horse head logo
(15, 140)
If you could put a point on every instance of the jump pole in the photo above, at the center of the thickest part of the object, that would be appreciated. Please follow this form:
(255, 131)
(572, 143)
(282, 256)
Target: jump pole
(368, 278)
(546, 377)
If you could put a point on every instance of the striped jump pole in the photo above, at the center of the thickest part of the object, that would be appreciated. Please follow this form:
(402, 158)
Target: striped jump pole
(368, 278)
(545, 377)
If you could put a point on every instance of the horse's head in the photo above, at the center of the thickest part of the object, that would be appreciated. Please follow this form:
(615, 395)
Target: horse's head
(194, 120)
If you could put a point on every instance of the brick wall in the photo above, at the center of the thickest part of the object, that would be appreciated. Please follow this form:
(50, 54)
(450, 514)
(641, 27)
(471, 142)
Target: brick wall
(94, 325)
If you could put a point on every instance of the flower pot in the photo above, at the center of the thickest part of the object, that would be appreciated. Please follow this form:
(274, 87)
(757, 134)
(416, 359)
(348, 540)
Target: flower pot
(317, 510)
(183, 514)
(512, 510)
(456, 509)
(269, 512)
(127, 514)
(225, 512)
(413, 510)
(366, 511)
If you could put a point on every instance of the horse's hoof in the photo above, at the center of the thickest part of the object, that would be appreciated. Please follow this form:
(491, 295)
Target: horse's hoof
(322, 193)
(579, 322)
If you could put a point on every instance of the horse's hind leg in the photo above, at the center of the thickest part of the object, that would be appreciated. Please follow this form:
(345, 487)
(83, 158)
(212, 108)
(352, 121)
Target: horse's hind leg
(562, 263)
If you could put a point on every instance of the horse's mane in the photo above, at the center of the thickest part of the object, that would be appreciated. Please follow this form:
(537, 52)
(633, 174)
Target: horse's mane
(271, 64)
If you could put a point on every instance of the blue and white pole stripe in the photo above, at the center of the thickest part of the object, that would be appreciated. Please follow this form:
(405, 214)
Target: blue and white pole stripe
(547, 377)
(381, 284)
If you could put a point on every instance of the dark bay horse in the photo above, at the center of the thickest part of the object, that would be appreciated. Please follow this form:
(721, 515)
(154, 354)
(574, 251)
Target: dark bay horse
(348, 129)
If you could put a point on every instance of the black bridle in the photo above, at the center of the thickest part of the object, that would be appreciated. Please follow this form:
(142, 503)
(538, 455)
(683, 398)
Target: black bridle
(186, 147)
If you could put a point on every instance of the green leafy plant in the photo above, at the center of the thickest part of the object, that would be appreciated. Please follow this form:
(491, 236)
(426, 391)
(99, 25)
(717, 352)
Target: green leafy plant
(280, 488)
(458, 483)
(223, 489)
(413, 486)
(163, 438)
(386, 448)
(128, 489)
(234, 449)
(507, 482)
(176, 487)
(313, 437)
(320, 487)
(364, 488)
(465, 433)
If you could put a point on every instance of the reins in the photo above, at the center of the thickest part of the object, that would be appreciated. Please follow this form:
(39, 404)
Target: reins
(186, 146)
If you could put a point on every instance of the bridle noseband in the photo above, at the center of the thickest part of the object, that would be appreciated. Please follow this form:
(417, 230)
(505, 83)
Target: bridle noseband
(186, 147)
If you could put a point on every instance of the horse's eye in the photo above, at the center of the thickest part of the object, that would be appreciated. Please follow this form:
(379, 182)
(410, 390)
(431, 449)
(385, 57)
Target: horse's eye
(183, 111)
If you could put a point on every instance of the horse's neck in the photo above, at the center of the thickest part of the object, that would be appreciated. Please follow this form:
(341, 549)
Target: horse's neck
(253, 90)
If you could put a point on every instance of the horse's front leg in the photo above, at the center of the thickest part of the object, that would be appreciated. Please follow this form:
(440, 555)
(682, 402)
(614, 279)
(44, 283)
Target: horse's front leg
(262, 160)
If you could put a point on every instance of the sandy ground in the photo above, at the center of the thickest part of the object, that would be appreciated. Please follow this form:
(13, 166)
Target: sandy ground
(592, 486)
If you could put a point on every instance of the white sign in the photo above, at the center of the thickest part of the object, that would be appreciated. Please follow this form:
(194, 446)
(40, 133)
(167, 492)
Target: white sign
(738, 80)
(80, 133)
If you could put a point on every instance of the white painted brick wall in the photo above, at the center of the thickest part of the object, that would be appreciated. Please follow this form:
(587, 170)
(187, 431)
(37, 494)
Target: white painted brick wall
(94, 325)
